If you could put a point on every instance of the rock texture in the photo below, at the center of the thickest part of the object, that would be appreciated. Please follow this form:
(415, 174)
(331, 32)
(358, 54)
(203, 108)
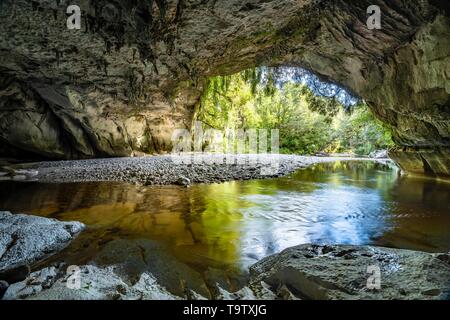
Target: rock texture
(379, 154)
(25, 240)
(132, 258)
(136, 69)
(140, 270)
(175, 169)
(341, 272)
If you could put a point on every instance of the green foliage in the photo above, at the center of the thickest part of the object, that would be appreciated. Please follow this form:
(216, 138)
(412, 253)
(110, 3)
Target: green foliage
(359, 132)
(308, 123)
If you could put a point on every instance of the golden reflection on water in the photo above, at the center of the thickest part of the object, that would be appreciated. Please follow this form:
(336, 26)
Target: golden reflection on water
(228, 226)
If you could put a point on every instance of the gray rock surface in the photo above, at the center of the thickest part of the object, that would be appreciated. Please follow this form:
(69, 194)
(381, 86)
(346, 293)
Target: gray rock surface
(423, 161)
(341, 272)
(3, 287)
(131, 258)
(136, 70)
(26, 239)
(181, 169)
(17, 175)
(379, 154)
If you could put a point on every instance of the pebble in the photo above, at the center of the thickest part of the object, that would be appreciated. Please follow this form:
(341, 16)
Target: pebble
(171, 169)
(3, 287)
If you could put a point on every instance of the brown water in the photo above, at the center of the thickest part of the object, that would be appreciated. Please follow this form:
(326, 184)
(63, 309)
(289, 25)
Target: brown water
(231, 225)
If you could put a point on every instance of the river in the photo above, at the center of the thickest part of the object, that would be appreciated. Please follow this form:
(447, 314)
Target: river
(227, 227)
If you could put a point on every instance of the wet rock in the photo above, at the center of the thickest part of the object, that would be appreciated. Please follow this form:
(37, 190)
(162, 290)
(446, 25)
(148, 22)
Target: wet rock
(134, 257)
(26, 239)
(379, 154)
(344, 272)
(259, 291)
(183, 181)
(68, 104)
(94, 283)
(16, 274)
(19, 178)
(125, 270)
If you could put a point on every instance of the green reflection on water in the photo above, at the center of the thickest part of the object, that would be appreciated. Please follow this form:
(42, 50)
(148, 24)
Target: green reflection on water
(228, 226)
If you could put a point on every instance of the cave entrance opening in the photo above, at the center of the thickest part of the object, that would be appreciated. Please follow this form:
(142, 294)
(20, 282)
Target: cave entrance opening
(312, 116)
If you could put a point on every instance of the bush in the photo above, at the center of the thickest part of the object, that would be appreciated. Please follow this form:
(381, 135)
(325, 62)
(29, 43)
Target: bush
(307, 123)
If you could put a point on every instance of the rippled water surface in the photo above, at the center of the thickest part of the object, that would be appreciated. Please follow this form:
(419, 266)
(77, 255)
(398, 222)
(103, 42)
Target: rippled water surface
(232, 225)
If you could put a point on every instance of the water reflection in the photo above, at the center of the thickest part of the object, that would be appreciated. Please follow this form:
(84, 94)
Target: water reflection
(231, 225)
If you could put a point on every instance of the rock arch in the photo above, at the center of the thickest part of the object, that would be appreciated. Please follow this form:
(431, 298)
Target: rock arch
(136, 70)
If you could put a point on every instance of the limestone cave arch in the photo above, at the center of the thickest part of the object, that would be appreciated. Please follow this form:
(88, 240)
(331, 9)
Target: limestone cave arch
(136, 69)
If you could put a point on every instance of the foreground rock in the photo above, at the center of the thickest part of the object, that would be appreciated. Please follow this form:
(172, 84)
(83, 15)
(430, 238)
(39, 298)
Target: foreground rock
(379, 154)
(125, 269)
(25, 240)
(341, 272)
(423, 161)
(183, 169)
(136, 70)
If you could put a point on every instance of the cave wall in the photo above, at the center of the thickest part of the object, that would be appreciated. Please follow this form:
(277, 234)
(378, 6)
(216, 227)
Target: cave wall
(136, 69)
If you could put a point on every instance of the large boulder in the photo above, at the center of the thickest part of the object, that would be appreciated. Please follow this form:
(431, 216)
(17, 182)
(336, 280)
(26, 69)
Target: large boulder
(423, 161)
(379, 154)
(124, 269)
(347, 272)
(26, 239)
(141, 269)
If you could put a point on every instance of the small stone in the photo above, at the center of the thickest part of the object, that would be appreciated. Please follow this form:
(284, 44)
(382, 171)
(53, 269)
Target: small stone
(19, 178)
(16, 274)
(183, 181)
(3, 287)
(432, 292)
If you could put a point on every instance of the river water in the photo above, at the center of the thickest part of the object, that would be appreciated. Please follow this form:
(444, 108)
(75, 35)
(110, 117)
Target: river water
(232, 225)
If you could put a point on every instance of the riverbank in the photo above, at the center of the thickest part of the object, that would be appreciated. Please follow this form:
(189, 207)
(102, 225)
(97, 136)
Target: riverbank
(183, 169)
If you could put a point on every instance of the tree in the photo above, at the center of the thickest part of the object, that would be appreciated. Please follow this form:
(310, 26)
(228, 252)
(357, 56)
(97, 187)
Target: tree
(310, 118)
